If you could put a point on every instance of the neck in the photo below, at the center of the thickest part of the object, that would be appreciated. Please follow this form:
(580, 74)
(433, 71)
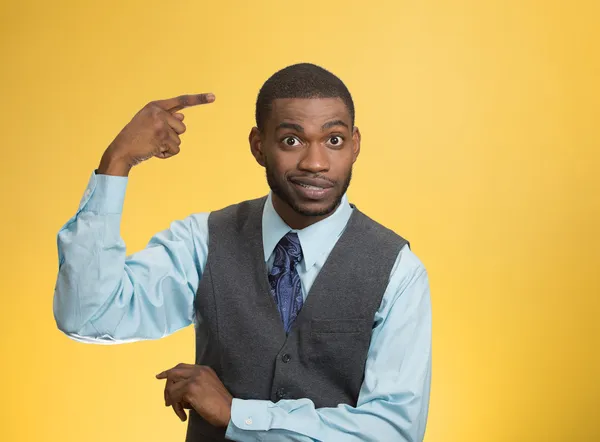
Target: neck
(294, 219)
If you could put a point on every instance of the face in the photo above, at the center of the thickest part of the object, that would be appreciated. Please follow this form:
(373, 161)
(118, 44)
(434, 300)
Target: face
(308, 148)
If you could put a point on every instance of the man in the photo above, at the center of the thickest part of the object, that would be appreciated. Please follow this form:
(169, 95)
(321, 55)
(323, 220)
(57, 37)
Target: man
(313, 322)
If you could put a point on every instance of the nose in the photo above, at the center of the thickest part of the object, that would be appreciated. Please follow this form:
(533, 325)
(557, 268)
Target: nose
(314, 159)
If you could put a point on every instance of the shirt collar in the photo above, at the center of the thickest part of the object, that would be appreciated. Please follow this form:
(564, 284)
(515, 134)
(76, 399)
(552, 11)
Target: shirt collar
(314, 239)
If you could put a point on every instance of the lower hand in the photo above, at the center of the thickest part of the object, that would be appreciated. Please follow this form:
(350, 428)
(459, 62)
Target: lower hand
(197, 387)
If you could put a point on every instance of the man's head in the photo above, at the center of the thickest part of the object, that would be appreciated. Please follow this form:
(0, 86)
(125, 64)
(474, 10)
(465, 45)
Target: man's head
(306, 140)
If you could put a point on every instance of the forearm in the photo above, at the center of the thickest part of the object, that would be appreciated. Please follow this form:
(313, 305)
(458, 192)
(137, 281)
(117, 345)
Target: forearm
(91, 255)
(102, 295)
(395, 418)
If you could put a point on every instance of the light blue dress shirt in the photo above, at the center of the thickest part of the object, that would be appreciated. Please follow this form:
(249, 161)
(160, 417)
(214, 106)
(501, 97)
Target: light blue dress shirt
(103, 296)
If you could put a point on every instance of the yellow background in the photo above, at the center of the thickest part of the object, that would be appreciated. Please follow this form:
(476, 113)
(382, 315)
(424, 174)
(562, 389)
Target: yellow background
(480, 144)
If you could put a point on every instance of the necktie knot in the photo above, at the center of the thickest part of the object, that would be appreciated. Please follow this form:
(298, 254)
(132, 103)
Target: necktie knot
(288, 252)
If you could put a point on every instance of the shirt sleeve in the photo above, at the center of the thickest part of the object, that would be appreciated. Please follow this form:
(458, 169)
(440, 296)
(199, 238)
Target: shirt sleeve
(104, 296)
(393, 401)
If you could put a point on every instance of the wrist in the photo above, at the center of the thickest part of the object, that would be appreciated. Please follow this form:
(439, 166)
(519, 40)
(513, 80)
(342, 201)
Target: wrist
(111, 164)
(227, 416)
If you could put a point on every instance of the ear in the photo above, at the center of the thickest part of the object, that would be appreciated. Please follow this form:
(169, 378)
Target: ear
(256, 146)
(355, 144)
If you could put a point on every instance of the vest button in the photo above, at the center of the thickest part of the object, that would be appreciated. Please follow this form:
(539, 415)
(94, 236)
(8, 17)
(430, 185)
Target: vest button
(280, 393)
(286, 358)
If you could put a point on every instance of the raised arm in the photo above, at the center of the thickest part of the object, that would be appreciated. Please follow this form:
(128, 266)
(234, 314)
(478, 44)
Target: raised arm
(101, 294)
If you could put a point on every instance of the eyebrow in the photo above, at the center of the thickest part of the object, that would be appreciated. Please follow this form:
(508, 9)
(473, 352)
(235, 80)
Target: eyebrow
(300, 129)
(334, 123)
(292, 126)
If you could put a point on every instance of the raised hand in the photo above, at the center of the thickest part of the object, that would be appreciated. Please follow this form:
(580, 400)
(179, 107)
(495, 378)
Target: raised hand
(153, 132)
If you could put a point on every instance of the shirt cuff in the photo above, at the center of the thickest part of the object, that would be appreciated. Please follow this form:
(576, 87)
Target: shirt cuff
(248, 416)
(105, 194)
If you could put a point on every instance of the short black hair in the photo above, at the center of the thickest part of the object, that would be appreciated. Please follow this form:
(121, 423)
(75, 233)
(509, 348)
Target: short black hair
(302, 80)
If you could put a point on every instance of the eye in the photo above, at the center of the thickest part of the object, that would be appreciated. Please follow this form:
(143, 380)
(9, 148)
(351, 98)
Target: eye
(336, 140)
(291, 141)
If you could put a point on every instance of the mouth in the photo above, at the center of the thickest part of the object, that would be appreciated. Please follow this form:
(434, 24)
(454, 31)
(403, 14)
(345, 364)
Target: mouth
(312, 188)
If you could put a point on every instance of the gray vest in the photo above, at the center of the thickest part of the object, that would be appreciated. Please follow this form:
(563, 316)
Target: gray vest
(240, 333)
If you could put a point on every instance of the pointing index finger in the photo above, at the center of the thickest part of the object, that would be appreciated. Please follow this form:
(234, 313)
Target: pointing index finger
(177, 103)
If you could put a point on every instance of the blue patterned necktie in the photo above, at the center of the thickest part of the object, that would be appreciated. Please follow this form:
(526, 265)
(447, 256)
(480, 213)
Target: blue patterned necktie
(285, 281)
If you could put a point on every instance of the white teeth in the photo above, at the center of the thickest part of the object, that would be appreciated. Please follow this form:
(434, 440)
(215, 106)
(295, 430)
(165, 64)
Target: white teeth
(311, 187)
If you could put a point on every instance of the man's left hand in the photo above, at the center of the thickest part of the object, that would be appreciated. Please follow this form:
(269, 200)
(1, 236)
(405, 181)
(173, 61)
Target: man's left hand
(197, 387)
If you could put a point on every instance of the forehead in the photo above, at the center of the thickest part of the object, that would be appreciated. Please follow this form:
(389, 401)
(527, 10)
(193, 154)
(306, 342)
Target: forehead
(308, 111)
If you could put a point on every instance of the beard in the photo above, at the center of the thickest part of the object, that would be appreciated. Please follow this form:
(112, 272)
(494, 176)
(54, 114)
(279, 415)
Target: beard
(281, 188)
